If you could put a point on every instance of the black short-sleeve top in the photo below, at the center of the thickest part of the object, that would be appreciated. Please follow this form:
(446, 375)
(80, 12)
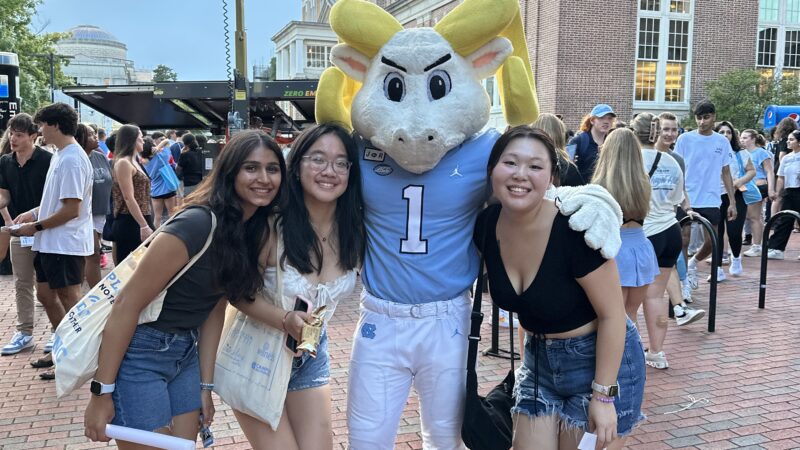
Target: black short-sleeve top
(191, 298)
(554, 302)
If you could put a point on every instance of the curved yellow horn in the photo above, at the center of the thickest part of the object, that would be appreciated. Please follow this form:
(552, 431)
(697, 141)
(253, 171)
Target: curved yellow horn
(516, 81)
(475, 22)
(334, 97)
(363, 25)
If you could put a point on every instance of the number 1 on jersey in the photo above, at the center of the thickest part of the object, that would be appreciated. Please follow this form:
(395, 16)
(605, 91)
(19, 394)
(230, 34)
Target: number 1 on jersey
(413, 242)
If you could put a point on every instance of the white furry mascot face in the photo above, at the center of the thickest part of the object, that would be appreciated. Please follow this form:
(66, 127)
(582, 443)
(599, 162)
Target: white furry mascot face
(419, 97)
(417, 93)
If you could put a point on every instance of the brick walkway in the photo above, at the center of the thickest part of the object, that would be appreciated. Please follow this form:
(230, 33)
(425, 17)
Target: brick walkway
(746, 372)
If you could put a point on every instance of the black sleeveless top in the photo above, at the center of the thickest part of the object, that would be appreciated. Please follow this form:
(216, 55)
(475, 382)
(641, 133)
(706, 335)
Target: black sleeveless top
(554, 302)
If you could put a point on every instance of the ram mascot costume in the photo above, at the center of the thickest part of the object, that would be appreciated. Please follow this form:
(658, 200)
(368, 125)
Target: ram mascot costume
(416, 102)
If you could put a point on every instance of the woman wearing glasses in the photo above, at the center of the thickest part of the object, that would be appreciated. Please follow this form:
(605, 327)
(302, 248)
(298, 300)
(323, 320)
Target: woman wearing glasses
(322, 232)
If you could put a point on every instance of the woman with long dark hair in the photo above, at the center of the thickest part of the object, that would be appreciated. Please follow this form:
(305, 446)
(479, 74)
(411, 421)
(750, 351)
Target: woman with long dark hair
(190, 163)
(787, 187)
(742, 171)
(131, 194)
(567, 298)
(160, 374)
(322, 243)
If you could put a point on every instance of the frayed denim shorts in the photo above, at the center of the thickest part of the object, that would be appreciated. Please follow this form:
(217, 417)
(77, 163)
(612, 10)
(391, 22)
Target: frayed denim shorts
(159, 378)
(566, 369)
(308, 372)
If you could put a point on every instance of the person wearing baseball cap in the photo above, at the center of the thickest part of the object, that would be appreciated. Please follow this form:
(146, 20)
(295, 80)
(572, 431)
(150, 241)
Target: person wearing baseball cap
(584, 147)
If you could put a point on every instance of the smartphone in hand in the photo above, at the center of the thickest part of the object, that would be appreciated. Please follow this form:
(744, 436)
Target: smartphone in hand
(300, 304)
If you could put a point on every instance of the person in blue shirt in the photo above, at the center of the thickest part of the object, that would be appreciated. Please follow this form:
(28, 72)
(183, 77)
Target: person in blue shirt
(101, 141)
(765, 180)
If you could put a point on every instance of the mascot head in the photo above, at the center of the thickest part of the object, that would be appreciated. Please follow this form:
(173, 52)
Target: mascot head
(417, 93)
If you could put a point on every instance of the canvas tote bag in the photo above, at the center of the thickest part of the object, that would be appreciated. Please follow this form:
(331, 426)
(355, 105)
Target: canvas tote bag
(253, 364)
(76, 345)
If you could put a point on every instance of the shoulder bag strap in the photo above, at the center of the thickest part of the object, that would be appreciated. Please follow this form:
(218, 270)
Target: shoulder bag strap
(477, 315)
(655, 165)
(197, 256)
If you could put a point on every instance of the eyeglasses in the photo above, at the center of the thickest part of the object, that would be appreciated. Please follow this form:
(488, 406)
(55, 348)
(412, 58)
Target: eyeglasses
(340, 166)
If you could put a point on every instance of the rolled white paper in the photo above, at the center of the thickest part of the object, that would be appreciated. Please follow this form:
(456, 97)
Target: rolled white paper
(142, 437)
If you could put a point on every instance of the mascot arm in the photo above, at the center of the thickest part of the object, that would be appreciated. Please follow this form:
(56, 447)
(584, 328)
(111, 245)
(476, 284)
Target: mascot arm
(593, 210)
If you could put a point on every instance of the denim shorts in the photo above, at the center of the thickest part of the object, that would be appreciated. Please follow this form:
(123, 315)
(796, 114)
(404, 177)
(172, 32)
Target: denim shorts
(565, 373)
(159, 379)
(308, 372)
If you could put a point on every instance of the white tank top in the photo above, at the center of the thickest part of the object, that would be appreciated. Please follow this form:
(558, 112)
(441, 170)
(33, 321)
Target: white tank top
(328, 294)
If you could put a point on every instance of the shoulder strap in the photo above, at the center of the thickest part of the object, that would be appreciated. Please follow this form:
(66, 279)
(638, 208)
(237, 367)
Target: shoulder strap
(477, 315)
(199, 254)
(655, 165)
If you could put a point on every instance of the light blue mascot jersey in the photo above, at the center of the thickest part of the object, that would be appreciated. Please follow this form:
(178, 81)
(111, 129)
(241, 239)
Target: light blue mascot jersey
(419, 226)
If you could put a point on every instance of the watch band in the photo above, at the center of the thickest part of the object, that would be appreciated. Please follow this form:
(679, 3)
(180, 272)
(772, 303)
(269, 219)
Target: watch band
(98, 388)
(610, 391)
(38, 226)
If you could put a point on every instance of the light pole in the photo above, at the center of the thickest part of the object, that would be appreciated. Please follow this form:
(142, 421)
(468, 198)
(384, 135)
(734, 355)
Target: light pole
(52, 58)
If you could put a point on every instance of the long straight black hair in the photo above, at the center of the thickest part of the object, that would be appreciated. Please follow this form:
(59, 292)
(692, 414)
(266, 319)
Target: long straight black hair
(301, 245)
(237, 245)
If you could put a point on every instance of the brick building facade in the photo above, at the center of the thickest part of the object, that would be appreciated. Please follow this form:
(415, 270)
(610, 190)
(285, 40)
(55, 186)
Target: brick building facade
(642, 55)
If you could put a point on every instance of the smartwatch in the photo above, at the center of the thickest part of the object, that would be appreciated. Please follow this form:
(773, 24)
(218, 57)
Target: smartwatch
(97, 388)
(38, 226)
(609, 391)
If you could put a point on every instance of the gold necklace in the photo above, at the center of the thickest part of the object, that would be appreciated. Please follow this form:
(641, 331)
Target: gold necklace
(323, 238)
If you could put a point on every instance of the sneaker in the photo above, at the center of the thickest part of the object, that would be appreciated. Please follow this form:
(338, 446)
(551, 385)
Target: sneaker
(689, 315)
(686, 292)
(748, 239)
(103, 260)
(691, 278)
(105, 248)
(774, 253)
(504, 320)
(754, 250)
(656, 360)
(736, 267)
(720, 275)
(49, 346)
(726, 259)
(18, 343)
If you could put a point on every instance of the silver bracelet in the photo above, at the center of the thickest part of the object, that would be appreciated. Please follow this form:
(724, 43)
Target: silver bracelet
(206, 386)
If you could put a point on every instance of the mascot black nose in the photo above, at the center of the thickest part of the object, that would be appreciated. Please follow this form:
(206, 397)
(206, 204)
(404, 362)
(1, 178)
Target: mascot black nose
(430, 138)
(401, 140)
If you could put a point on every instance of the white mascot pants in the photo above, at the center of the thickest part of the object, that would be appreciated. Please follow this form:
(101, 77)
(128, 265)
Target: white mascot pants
(396, 345)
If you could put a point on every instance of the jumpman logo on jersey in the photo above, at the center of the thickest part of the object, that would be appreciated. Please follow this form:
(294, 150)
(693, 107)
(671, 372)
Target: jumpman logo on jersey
(456, 173)
(456, 333)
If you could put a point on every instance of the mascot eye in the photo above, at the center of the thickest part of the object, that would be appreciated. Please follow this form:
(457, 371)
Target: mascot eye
(393, 87)
(438, 84)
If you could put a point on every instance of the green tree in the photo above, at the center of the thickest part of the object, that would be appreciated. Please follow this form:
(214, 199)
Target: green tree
(17, 37)
(163, 73)
(741, 96)
(272, 70)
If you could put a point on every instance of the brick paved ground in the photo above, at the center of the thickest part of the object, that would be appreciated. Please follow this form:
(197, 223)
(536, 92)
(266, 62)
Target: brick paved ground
(747, 372)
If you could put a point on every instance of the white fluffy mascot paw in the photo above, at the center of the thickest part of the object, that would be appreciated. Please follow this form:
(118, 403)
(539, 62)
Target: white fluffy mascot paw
(593, 210)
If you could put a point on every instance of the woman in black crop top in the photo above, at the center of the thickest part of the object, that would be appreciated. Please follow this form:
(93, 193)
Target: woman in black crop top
(157, 376)
(584, 367)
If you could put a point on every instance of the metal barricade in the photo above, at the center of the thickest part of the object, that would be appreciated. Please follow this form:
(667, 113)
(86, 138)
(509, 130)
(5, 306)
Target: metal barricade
(715, 264)
(762, 285)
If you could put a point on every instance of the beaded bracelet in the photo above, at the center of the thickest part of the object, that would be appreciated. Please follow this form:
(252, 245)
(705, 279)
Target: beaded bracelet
(206, 386)
(603, 398)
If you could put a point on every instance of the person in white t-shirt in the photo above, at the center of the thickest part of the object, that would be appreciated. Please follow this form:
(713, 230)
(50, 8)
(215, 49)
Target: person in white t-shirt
(62, 224)
(788, 189)
(707, 156)
(661, 228)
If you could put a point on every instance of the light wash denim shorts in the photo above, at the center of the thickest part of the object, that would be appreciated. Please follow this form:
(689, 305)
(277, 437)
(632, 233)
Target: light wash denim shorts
(565, 373)
(159, 378)
(308, 372)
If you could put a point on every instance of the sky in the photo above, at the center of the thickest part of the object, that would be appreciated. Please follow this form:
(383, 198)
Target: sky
(186, 35)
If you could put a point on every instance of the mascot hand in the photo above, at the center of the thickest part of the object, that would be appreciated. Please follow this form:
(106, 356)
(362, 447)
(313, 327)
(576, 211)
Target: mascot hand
(593, 210)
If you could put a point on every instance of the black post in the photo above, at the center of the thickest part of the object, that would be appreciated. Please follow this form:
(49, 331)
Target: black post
(52, 78)
(762, 284)
(715, 263)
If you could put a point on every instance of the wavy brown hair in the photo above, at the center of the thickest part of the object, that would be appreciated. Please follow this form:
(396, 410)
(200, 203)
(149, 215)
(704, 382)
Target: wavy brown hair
(620, 169)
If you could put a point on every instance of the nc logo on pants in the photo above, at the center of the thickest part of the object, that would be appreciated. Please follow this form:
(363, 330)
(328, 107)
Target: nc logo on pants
(368, 330)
